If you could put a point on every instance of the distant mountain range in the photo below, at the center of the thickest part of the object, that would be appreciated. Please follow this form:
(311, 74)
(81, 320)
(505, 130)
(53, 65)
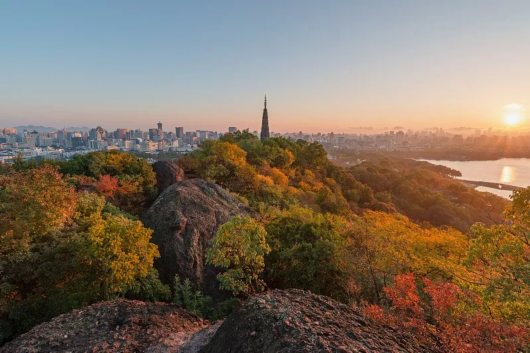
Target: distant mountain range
(50, 129)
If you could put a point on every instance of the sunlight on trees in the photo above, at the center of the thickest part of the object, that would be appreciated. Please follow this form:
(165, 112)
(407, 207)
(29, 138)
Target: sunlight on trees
(239, 247)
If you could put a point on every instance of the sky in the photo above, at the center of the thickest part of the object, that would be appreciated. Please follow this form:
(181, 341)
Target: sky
(337, 65)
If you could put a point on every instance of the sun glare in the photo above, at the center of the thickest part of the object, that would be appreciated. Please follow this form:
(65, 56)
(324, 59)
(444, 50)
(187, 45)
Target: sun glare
(513, 114)
(512, 119)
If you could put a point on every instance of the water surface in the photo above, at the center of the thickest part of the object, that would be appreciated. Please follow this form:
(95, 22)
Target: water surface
(513, 171)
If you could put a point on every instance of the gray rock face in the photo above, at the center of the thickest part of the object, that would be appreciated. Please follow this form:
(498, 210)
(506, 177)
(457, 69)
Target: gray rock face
(184, 218)
(295, 321)
(167, 174)
(115, 326)
(290, 321)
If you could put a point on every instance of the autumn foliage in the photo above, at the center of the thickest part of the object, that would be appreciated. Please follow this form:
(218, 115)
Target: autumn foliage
(107, 185)
(344, 232)
(401, 239)
(61, 250)
(446, 314)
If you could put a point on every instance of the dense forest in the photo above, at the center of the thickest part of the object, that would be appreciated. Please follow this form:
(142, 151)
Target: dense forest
(400, 239)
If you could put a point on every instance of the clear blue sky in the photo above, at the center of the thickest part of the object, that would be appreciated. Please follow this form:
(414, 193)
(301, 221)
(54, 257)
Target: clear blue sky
(325, 65)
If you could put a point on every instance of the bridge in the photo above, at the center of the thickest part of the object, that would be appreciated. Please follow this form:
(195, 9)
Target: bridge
(487, 184)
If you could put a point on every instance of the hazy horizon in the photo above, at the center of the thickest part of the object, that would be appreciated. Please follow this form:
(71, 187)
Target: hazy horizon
(324, 66)
(361, 130)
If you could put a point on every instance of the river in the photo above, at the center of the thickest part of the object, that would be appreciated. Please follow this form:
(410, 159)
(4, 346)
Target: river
(513, 171)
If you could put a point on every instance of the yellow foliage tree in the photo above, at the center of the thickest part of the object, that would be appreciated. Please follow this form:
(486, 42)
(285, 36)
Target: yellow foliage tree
(32, 203)
(384, 245)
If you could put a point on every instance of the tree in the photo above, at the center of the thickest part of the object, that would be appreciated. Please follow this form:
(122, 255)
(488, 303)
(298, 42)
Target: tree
(307, 252)
(107, 185)
(499, 257)
(32, 203)
(443, 312)
(117, 250)
(60, 251)
(332, 201)
(113, 163)
(239, 247)
(382, 246)
(126, 180)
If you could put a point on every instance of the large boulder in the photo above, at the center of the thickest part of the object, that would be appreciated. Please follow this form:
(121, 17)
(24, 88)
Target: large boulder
(115, 326)
(167, 174)
(184, 218)
(299, 321)
(274, 321)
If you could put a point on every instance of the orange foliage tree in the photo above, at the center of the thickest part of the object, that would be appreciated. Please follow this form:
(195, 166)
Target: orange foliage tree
(107, 185)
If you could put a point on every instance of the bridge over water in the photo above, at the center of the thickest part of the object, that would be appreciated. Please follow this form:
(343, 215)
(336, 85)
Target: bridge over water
(487, 184)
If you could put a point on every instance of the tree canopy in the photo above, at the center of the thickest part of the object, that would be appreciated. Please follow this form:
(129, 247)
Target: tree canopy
(60, 250)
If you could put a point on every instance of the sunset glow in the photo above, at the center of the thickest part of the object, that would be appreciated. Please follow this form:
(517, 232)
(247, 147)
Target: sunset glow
(265, 167)
(513, 114)
(326, 67)
(513, 119)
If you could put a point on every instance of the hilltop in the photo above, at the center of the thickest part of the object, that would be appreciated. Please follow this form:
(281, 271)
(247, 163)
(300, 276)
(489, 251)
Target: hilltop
(399, 239)
(274, 321)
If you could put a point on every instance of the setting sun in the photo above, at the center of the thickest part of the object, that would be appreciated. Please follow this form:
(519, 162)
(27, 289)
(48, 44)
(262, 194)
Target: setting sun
(512, 119)
(513, 114)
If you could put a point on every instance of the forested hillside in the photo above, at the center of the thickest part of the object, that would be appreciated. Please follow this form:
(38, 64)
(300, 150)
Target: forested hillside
(401, 240)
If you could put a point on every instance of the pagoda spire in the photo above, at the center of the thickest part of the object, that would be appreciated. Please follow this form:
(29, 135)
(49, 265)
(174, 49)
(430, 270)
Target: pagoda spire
(265, 123)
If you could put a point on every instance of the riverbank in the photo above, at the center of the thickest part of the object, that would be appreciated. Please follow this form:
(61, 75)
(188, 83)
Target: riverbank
(462, 155)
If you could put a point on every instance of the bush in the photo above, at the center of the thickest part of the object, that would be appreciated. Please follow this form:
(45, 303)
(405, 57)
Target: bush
(239, 247)
(193, 301)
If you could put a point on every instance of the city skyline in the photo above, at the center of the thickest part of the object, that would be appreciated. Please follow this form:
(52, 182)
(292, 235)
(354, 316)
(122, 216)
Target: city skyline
(326, 66)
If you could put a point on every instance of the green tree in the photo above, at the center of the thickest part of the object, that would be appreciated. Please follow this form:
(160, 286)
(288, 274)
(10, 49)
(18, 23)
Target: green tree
(239, 247)
(307, 252)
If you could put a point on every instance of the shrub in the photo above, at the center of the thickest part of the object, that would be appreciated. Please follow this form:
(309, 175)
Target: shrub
(239, 247)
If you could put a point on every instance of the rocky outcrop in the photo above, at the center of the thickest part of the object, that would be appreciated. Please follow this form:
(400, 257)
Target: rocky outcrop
(275, 321)
(184, 217)
(167, 174)
(115, 326)
(298, 321)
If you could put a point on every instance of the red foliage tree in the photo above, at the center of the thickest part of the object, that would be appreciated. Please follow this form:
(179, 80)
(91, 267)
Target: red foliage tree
(446, 314)
(107, 185)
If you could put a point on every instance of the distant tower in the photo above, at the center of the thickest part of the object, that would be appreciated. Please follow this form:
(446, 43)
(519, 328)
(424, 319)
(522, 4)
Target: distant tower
(265, 123)
(179, 132)
(160, 132)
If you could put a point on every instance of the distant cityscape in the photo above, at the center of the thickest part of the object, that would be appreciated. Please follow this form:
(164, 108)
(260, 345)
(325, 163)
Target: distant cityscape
(63, 144)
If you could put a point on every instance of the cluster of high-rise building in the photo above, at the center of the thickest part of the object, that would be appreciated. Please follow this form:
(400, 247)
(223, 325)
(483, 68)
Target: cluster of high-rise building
(62, 144)
(419, 140)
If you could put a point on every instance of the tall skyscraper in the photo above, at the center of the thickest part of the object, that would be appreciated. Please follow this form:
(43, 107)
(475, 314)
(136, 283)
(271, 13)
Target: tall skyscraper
(62, 136)
(153, 134)
(120, 133)
(179, 132)
(265, 123)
